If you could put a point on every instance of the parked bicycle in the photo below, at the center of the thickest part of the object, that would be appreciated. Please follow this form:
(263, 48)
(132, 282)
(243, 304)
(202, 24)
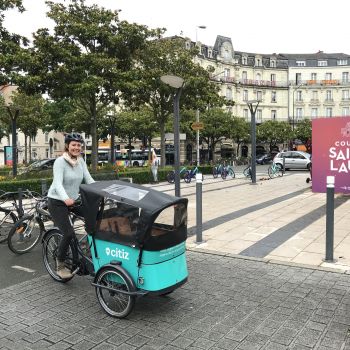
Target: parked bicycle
(228, 171)
(12, 209)
(191, 174)
(27, 231)
(274, 170)
(247, 172)
(171, 175)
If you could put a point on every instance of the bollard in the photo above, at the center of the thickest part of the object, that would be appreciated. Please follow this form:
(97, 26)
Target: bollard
(284, 165)
(330, 220)
(43, 187)
(20, 203)
(199, 180)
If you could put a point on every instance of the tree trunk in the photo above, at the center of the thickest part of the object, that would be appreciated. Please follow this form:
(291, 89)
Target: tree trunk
(112, 143)
(30, 149)
(162, 143)
(25, 149)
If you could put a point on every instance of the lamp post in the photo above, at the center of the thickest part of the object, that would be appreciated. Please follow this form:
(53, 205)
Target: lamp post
(177, 83)
(253, 105)
(197, 138)
(14, 117)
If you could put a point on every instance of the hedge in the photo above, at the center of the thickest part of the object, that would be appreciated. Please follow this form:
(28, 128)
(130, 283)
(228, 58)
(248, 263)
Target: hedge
(142, 176)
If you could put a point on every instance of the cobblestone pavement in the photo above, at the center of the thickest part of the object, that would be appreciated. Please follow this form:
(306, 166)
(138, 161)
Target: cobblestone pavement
(228, 303)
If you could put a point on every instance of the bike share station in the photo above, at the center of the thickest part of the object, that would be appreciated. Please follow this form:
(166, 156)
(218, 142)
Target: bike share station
(330, 167)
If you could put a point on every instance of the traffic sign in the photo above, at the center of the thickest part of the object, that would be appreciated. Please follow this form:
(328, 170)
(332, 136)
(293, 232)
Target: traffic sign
(197, 126)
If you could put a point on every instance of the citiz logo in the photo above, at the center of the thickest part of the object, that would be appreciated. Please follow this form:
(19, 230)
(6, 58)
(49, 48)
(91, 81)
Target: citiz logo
(117, 253)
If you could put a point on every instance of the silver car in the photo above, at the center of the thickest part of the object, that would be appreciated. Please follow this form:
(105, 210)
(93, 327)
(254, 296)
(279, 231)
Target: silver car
(293, 159)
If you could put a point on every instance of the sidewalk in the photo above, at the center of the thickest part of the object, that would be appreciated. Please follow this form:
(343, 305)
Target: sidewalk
(276, 220)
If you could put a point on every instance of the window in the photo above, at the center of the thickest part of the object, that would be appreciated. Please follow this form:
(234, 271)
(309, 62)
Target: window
(342, 62)
(314, 113)
(244, 75)
(301, 63)
(229, 93)
(34, 153)
(297, 78)
(259, 95)
(345, 111)
(315, 95)
(273, 77)
(328, 112)
(46, 137)
(47, 153)
(329, 95)
(273, 64)
(258, 76)
(299, 95)
(273, 114)
(328, 76)
(245, 95)
(313, 76)
(245, 114)
(322, 63)
(345, 77)
(244, 60)
(33, 138)
(258, 62)
(259, 115)
(210, 53)
(273, 96)
(299, 113)
(345, 95)
(226, 72)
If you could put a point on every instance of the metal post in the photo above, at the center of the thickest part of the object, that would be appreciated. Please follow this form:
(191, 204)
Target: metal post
(20, 203)
(199, 180)
(284, 165)
(14, 141)
(330, 220)
(197, 138)
(43, 187)
(253, 137)
(177, 140)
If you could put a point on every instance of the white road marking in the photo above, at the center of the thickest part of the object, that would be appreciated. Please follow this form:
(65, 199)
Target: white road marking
(26, 269)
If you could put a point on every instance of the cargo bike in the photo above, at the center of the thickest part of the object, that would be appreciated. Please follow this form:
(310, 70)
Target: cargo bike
(136, 238)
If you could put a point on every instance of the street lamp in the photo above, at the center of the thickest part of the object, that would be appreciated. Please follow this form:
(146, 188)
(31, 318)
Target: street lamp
(301, 84)
(177, 83)
(253, 105)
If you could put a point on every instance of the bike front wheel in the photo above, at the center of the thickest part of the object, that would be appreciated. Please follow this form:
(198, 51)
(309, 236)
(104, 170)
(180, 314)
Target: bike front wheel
(50, 246)
(24, 235)
(187, 177)
(247, 172)
(215, 173)
(231, 173)
(110, 292)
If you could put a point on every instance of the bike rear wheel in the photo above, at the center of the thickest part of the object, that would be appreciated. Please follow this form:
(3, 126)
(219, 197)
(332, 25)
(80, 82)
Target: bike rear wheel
(7, 219)
(230, 172)
(113, 302)
(50, 245)
(247, 172)
(24, 235)
(187, 177)
(224, 174)
(215, 173)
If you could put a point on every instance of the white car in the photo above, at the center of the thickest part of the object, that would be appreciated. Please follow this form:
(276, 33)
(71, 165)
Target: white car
(293, 160)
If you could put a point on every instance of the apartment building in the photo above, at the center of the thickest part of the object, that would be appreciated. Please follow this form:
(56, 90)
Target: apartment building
(291, 87)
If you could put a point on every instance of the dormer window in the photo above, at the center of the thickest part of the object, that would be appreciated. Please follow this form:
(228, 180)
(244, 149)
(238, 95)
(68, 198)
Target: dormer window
(244, 60)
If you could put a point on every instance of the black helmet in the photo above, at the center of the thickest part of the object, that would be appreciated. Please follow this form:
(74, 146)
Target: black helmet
(74, 136)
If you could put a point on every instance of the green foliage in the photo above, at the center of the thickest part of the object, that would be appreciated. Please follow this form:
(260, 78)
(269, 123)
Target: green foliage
(274, 132)
(303, 131)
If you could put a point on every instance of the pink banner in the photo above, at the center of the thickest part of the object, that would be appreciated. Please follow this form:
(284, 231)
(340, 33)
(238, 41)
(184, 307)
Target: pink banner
(331, 153)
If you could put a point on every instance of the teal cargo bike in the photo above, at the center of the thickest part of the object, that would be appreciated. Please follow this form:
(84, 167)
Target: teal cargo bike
(136, 238)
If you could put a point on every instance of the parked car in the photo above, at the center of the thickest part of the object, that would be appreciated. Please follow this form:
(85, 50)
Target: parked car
(264, 158)
(293, 159)
(39, 165)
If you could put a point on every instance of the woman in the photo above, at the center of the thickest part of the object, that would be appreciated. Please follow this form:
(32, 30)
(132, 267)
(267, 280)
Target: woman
(69, 171)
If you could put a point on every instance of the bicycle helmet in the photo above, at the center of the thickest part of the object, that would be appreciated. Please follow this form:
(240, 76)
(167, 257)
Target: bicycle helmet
(73, 137)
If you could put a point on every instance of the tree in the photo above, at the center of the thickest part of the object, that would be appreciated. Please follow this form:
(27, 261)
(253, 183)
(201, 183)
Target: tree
(216, 127)
(304, 133)
(88, 58)
(163, 57)
(273, 132)
(239, 131)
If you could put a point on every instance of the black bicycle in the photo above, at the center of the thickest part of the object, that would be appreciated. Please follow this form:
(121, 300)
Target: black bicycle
(12, 209)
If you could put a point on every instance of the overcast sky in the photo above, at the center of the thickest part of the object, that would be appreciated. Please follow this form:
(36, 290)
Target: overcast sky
(261, 26)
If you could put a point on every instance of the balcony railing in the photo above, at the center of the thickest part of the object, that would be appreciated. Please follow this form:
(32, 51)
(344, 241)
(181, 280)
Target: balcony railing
(324, 82)
(250, 82)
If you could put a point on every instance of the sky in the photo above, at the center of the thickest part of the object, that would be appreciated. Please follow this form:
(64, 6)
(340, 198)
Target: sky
(256, 26)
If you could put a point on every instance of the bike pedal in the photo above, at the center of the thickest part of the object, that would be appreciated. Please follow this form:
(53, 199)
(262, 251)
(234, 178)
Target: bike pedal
(76, 271)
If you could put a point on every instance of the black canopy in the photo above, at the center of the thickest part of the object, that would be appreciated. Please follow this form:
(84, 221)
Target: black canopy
(150, 201)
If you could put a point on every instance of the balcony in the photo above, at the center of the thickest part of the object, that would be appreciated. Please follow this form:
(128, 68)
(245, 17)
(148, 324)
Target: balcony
(317, 83)
(249, 82)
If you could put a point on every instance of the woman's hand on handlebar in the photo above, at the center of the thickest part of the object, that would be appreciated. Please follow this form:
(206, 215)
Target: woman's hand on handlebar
(69, 202)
